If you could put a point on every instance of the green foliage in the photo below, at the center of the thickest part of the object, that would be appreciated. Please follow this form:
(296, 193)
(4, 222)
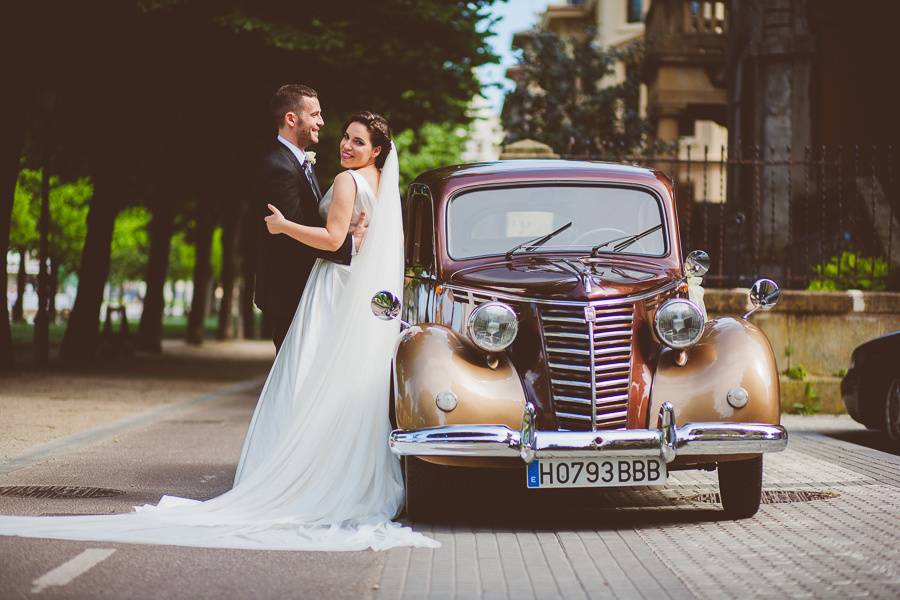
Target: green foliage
(68, 216)
(23, 227)
(797, 373)
(840, 373)
(181, 258)
(433, 145)
(216, 257)
(810, 404)
(850, 271)
(567, 97)
(130, 246)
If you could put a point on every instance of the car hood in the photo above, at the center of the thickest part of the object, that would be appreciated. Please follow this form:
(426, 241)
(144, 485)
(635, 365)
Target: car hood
(554, 278)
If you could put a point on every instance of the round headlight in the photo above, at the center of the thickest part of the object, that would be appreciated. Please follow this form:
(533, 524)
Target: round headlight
(493, 326)
(679, 323)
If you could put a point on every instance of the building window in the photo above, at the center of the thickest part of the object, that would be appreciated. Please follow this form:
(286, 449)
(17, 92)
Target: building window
(635, 10)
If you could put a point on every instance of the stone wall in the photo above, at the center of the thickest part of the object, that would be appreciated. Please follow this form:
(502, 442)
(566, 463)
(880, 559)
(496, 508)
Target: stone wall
(817, 331)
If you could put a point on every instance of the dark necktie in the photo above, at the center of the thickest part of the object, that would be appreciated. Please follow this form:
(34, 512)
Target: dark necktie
(311, 177)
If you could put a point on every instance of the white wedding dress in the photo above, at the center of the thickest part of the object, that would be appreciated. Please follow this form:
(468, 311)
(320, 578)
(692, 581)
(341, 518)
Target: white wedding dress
(315, 471)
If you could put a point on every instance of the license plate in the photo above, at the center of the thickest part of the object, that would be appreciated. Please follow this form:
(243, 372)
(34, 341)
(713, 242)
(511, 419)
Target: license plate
(595, 472)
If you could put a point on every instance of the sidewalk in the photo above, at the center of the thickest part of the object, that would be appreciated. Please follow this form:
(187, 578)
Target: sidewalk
(40, 407)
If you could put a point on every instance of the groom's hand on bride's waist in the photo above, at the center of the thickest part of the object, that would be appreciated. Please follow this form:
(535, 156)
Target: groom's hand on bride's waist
(359, 231)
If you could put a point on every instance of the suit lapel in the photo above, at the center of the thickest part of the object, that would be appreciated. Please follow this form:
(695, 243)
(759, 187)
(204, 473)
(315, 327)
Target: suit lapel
(290, 156)
(311, 182)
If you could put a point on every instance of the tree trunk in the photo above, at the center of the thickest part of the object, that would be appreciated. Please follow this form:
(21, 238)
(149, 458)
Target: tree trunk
(202, 276)
(83, 330)
(245, 299)
(18, 311)
(42, 318)
(10, 154)
(229, 268)
(248, 243)
(211, 307)
(54, 287)
(151, 327)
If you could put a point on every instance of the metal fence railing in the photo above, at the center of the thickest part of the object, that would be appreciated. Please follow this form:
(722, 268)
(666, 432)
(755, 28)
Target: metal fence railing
(826, 217)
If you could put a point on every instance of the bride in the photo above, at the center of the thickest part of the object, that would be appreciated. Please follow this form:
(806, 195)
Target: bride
(315, 471)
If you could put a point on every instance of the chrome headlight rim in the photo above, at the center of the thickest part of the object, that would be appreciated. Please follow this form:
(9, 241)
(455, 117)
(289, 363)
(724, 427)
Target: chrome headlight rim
(661, 311)
(470, 324)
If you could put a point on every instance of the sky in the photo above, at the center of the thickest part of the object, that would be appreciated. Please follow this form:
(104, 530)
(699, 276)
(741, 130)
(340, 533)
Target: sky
(516, 15)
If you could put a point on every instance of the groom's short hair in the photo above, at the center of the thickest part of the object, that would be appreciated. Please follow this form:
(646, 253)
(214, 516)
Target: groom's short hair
(290, 98)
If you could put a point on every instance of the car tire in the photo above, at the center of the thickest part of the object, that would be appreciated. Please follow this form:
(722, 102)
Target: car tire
(892, 412)
(423, 489)
(740, 487)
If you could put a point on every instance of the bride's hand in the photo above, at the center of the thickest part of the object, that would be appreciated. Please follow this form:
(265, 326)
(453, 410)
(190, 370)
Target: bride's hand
(359, 230)
(276, 221)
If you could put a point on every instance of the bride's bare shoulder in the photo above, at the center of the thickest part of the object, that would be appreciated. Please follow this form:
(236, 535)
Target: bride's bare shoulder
(344, 184)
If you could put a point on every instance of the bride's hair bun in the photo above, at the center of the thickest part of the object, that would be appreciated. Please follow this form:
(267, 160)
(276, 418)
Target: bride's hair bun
(379, 130)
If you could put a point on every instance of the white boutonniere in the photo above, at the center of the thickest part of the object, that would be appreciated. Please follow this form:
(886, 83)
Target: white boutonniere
(311, 157)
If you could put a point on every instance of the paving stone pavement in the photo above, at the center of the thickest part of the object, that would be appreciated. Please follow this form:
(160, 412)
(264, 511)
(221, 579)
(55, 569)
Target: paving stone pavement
(666, 543)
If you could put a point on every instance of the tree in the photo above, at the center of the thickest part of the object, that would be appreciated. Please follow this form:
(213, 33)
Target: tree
(433, 145)
(130, 244)
(139, 86)
(564, 97)
(23, 232)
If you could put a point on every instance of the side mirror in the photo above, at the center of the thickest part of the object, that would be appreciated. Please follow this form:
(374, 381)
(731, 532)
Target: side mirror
(386, 305)
(696, 264)
(763, 295)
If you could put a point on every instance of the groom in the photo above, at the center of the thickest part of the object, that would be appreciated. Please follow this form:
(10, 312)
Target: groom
(289, 182)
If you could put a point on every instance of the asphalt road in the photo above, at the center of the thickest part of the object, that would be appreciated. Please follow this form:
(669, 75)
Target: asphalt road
(190, 453)
(499, 541)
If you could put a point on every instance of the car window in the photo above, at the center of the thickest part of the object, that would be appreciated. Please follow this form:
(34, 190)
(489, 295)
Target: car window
(419, 227)
(493, 220)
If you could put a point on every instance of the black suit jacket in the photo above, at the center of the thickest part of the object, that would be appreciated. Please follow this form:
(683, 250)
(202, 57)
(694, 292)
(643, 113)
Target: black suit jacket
(284, 263)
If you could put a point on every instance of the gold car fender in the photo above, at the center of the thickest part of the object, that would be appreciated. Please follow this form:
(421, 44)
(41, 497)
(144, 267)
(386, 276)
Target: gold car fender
(731, 353)
(431, 359)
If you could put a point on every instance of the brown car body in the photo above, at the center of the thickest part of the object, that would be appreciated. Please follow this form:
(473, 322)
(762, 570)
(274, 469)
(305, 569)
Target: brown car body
(435, 355)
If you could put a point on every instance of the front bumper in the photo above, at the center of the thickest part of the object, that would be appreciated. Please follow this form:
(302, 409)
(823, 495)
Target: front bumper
(667, 442)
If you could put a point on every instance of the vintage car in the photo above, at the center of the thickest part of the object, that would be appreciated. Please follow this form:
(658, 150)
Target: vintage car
(550, 330)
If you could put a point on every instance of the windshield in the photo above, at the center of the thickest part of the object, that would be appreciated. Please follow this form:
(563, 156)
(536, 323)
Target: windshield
(492, 221)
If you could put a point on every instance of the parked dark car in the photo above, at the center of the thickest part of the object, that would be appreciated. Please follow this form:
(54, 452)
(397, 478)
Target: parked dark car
(871, 388)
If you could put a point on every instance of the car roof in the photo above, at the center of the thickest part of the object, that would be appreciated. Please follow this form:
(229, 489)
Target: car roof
(536, 168)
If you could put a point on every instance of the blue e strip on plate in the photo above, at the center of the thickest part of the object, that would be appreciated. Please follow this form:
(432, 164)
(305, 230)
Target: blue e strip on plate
(534, 477)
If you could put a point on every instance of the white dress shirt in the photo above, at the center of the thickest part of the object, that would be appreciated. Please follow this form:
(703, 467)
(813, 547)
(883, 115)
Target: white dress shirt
(300, 154)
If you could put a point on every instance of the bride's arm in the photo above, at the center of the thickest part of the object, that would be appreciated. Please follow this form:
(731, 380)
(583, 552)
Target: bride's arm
(332, 236)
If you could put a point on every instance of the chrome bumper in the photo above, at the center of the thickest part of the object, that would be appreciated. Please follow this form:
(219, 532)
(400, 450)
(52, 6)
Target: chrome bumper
(667, 442)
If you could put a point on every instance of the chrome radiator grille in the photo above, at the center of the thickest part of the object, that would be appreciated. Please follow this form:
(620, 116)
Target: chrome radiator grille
(570, 349)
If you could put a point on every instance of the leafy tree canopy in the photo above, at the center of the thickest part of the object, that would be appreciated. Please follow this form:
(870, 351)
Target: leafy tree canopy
(568, 96)
(68, 213)
(130, 245)
(433, 145)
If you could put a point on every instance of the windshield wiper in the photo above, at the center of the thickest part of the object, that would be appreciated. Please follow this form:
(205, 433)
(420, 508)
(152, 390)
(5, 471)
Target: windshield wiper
(625, 240)
(537, 242)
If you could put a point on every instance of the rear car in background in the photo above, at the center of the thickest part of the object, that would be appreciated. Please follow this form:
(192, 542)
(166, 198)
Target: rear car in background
(871, 388)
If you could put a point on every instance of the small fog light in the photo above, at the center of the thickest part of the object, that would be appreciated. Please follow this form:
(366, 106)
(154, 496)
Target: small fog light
(446, 401)
(738, 397)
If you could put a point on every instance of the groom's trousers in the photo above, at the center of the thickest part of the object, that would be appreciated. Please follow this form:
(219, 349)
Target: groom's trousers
(280, 321)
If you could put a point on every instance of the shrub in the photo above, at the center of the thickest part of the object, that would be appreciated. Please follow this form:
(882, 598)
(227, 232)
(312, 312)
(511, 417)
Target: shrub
(850, 271)
(798, 373)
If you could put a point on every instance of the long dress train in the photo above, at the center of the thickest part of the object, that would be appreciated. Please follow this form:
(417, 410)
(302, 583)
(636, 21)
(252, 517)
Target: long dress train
(315, 471)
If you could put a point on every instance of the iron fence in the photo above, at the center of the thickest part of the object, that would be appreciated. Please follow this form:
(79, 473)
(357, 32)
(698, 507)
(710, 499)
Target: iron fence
(823, 217)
